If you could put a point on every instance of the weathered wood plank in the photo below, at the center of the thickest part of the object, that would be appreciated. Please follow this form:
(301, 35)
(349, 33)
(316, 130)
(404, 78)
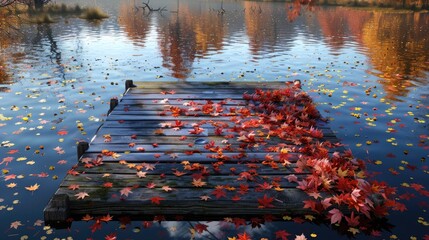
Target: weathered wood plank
(131, 180)
(287, 201)
(188, 169)
(167, 86)
(179, 102)
(177, 157)
(162, 148)
(157, 130)
(185, 96)
(218, 140)
(186, 123)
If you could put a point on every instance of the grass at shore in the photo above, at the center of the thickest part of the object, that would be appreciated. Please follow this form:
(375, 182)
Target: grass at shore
(51, 11)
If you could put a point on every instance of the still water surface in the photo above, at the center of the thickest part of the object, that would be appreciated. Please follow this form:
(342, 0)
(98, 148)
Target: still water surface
(358, 65)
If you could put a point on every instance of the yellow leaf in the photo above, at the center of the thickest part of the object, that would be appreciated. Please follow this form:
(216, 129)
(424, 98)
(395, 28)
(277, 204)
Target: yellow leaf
(3, 118)
(353, 230)
(342, 173)
(33, 188)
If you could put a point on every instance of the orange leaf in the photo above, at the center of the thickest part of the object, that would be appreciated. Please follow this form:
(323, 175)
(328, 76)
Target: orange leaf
(106, 218)
(198, 182)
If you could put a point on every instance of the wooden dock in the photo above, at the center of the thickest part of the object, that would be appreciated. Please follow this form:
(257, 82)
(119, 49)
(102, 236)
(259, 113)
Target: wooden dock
(198, 150)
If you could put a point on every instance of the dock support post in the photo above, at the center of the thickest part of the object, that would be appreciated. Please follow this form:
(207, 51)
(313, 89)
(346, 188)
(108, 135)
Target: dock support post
(56, 212)
(81, 149)
(129, 84)
(113, 103)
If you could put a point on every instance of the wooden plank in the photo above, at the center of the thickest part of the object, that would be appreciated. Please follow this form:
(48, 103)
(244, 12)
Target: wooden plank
(188, 169)
(203, 90)
(288, 201)
(186, 123)
(218, 140)
(179, 102)
(131, 180)
(177, 157)
(162, 148)
(209, 85)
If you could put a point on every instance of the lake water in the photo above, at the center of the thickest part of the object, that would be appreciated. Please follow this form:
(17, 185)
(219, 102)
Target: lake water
(367, 71)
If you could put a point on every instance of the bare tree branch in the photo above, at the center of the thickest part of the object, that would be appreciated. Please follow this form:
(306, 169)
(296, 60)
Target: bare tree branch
(146, 6)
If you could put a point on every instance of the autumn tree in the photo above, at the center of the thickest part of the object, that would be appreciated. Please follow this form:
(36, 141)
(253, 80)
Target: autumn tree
(33, 4)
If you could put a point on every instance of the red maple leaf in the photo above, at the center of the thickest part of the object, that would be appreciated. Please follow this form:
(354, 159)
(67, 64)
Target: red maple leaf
(245, 176)
(200, 228)
(239, 222)
(265, 186)
(12, 151)
(352, 220)
(236, 198)
(244, 188)
(399, 206)
(62, 132)
(335, 215)
(6, 160)
(244, 236)
(310, 204)
(111, 236)
(416, 186)
(219, 192)
(157, 200)
(147, 224)
(282, 234)
(265, 202)
(96, 226)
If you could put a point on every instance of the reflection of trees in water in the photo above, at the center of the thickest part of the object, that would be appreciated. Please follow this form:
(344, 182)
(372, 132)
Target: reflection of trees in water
(4, 76)
(9, 25)
(210, 30)
(333, 23)
(399, 53)
(177, 43)
(45, 31)
(135, 22)
(337, 24)
(189, 34)
(267, 28)
(261, 27)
